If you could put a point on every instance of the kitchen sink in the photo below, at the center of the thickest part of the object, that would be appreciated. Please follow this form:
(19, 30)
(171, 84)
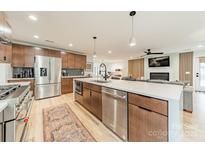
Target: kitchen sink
(101, 81)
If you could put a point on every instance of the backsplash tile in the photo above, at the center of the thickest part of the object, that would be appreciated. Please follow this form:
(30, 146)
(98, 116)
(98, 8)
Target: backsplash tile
(72, 72)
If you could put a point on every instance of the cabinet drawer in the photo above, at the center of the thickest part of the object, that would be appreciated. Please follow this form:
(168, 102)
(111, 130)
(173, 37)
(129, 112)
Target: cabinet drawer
(156, 105)
(92, 87)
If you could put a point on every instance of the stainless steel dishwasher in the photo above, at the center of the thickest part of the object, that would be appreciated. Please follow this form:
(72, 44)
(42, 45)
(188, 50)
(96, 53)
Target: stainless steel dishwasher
(114, 111)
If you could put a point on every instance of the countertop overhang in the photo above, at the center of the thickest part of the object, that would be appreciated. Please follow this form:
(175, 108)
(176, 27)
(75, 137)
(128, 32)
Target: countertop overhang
(156, 90)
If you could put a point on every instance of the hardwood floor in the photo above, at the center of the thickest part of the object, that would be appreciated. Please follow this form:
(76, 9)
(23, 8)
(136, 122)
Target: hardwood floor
(94, 126)
(193, 124)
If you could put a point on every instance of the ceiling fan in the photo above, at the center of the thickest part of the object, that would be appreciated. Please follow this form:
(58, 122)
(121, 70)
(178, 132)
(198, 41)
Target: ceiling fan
(148, 52)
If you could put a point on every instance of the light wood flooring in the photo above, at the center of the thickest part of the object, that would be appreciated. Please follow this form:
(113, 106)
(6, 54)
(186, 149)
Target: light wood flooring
(193, 123)
(94, 126)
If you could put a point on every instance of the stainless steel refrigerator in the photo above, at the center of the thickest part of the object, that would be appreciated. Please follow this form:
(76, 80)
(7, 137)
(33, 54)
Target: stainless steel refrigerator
(47, 77)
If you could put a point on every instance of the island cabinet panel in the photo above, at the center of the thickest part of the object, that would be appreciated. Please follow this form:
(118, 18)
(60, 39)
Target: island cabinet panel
(79, 98)
(148, 119)
(66, 85)
(92, 99)
(146, 125)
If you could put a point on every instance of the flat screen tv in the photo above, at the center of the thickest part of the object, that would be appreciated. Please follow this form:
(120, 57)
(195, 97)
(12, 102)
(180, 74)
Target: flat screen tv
(159, 61)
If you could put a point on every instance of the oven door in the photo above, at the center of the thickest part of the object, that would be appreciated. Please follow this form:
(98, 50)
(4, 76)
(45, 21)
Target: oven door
(79, 87)
(22, 119)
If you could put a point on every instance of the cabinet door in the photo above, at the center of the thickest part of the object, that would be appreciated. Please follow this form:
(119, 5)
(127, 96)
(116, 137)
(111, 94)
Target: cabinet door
(64, 58)
(71, 60)
(147, 126)
(86, 99)
(96, 104)
(83, 62)
(17, 56)
(1, 52)
(29, 54)
(8, 53)
(77, 59)
(64, 86)
(41, 52)
(54, 53)
(70, 85)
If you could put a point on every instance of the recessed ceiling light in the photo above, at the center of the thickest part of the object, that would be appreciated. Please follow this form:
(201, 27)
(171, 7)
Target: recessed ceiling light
(32, 17)
(109, 51)
(70, 45)
(36, 36)
(200, 46)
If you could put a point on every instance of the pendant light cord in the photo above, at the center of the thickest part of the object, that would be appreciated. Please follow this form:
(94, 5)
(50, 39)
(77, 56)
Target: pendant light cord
(132, 26)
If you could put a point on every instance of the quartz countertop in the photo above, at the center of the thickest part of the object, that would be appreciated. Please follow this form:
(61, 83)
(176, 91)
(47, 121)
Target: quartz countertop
(21, 79)
(83, 76)
(155, 90)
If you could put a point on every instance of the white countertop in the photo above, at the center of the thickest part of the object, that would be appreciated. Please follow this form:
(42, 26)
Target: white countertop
(155, 90)
(3, 105)
(25, 83)
(21, 79)
(75, 76)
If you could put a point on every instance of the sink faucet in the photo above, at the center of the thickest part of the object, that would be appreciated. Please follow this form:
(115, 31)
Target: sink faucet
(101, 66)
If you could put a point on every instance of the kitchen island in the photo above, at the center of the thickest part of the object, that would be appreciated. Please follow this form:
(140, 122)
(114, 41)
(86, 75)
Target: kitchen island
(154, 110)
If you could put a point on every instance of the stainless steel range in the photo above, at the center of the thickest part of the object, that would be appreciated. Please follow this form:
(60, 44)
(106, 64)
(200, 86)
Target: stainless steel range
(14, 118)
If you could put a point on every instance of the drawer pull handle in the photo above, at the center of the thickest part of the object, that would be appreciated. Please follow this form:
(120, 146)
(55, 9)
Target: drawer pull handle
(145, 109)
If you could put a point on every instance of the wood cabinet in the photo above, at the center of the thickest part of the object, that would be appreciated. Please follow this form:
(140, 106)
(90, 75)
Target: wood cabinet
(18, 56)
(5, 53)
(136, 68)
(22, 56)
(71, 60)
(64, 59)
(92, 99)
(54, 53)
(66, 85)
(80, 61)
(41, 51)
(148, 119)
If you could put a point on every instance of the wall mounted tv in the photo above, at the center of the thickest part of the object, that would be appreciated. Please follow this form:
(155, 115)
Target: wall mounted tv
(159, 61)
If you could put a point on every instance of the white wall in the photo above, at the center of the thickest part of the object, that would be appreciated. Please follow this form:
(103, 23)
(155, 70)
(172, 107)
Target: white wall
(173, 69)
(112, 65)
(6, 72)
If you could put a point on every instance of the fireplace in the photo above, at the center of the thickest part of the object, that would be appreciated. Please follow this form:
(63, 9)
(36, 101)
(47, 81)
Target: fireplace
(159, 76)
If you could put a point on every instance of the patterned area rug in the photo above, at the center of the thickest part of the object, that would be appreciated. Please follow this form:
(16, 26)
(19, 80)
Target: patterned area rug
(60, 124)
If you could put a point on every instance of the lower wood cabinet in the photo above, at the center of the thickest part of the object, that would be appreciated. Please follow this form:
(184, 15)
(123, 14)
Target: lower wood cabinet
(92, 100)
(66, 85)
(147, 124)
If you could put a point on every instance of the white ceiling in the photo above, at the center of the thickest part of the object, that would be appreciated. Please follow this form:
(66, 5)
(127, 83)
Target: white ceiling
(160, 31)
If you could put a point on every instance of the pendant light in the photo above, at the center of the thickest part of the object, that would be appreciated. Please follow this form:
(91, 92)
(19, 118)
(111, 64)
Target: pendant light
(132, 41)
(94, 52)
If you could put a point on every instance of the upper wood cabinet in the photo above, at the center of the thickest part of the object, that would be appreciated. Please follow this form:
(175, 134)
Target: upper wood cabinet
(80, 61)
(5, 53)
(64, 59)
(71, 60)
(18, 59)
(22, 56)
(54, 53)
(41, 51)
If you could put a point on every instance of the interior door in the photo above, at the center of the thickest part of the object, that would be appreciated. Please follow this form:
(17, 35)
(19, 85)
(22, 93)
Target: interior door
(42, 70)
(55, 70)
(200, 74)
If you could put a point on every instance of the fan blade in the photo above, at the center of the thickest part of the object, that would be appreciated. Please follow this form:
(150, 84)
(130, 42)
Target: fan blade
(156, 53)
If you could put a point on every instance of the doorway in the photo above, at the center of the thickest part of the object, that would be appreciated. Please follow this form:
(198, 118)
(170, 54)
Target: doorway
(200, 74)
